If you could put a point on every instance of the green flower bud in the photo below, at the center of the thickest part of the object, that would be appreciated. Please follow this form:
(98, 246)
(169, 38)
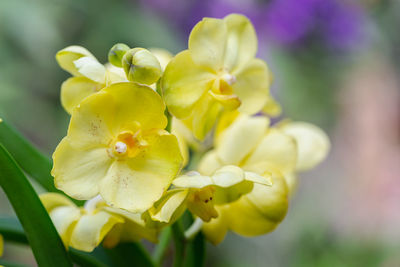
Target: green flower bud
(141, 66)
(116, 54)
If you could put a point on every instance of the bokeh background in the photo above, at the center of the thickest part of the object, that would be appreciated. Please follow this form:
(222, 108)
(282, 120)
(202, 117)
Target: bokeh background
(336, 63)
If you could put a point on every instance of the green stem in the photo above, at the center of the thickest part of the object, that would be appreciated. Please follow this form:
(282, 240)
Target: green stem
(180, 244)
(162, 246)
(196, 252)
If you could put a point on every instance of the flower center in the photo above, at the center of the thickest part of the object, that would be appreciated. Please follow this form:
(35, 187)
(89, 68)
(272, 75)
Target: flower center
(120, 147)
(128, 144)
(228, 78)
(222, 90)
(200, 202)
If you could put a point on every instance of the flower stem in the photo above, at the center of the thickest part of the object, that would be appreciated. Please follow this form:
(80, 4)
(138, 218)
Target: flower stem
(180, 244)
(160, 249)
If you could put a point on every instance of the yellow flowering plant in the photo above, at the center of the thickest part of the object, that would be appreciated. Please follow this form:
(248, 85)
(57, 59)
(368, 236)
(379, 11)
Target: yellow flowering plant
(156, 140)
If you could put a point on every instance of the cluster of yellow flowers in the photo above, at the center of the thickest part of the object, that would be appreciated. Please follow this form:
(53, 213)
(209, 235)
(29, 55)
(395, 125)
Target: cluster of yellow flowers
(134, 121)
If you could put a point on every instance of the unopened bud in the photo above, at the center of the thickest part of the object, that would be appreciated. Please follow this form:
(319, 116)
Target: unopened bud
(116, 54)
(141, 66)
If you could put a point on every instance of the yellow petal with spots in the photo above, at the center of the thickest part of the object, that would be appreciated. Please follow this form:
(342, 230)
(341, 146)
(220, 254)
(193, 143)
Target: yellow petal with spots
(312, 143)
(137, 183)
(241, 41)
(90, 230)
(184, 83)
(68, 55)
(136, 102)
(75, 89)
(252, 86)
(103, 115)
(207, 43)
(91, 123)
(78, 171)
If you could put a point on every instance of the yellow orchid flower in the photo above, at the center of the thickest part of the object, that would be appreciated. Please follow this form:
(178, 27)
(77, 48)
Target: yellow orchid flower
(85, 227)
(82, 228)
(200, 194)
(249, 143)
(116, 147)
(90, 76)
(256, 213)
(218, 72)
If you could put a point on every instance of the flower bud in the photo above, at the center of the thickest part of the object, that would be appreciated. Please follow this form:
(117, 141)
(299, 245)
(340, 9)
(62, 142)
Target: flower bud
(116, 54)
(141, 66)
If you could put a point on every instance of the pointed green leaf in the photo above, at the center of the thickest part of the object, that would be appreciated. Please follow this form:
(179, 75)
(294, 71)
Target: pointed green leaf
(28, 157)
(46, 244)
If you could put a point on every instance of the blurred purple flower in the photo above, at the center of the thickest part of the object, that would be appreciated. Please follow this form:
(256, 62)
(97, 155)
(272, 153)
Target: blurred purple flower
(288, 22)
(342, 22)
(336, 22)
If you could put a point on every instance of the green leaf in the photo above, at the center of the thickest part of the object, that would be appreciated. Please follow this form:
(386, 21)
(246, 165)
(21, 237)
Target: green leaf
(46, 244)
(28, 157)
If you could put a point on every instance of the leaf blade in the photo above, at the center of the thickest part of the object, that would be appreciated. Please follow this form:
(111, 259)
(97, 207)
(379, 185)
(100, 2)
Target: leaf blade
(28, 157)
(46, 244)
